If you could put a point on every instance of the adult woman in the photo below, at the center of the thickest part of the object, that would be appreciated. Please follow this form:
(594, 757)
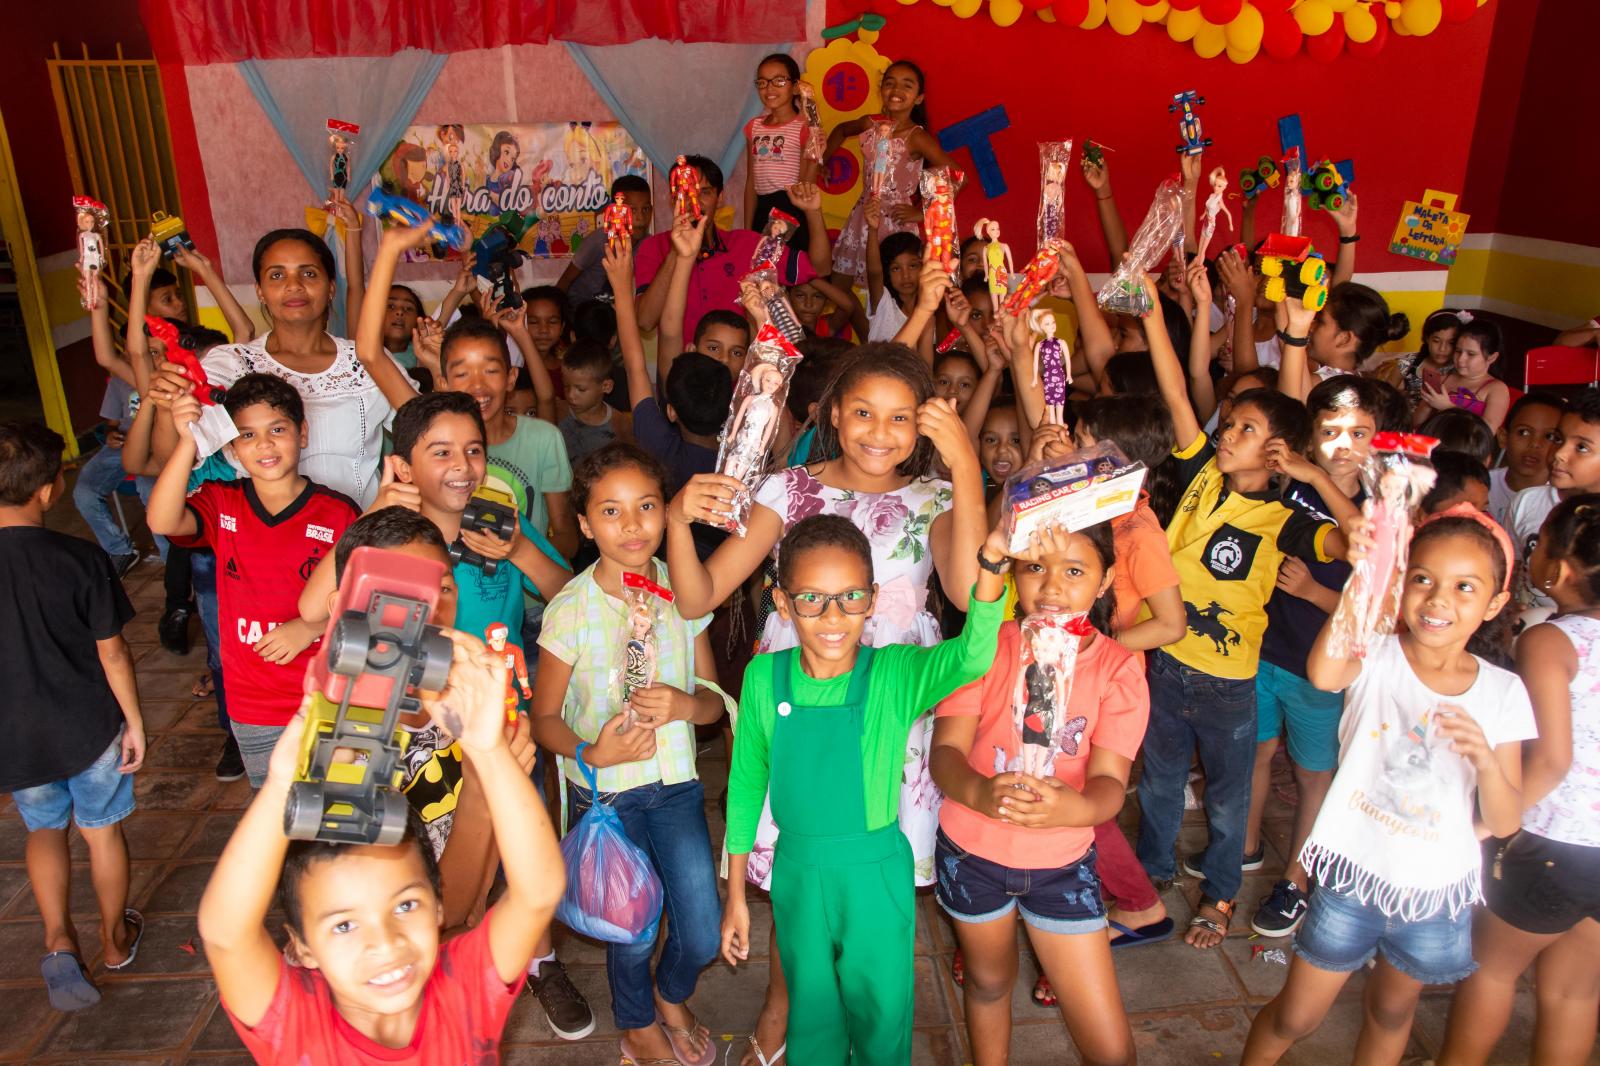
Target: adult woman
(347, 402)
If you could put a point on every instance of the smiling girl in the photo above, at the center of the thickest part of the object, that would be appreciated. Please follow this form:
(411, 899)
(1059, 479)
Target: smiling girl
(1471, 385)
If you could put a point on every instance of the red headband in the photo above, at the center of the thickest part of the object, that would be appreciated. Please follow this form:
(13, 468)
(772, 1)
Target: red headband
(1466, 510)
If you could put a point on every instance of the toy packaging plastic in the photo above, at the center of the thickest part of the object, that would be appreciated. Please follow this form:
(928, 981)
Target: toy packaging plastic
(1053, 159)
(1292, 193)
(685, 183)
(491, 511)
(379, 649)
(613, 893)
(1036, 278)
(758, 398)
(1396, 475)
(1123, 292)
(1046, 657)
(816, 140)
(1069, 492)
(341, 142)
(886, 152)
(762, 287)
(617, 219)
(774, 240)
(642, 600)
(939, 188)
(92, 219)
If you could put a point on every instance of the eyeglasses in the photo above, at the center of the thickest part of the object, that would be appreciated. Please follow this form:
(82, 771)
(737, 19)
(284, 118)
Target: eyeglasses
(780, 82)
(815, 604)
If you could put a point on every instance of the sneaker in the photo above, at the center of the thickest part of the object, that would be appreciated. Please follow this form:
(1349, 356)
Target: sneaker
(1281, 912)
(1253, 861)
(564, 1006)
(174, 630)
(123, 563)
(230, 767)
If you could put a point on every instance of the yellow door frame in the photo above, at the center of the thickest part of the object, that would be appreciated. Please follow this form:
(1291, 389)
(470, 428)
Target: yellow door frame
(30, 294)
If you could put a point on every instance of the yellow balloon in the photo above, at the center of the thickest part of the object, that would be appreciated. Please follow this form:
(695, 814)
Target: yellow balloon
(941, 3)
(1341, 6)
(1421, 17)
(1124, 16)
(867, 36)
(1391, 9)
(1210, 41)
(1096, 15)
(1005, 12)
(1242, 56)
(1183, 25)
(1155, 12)
(908, 3)
(1244, 32)
(1398, 25)
(1314, 16)
(1359, 25)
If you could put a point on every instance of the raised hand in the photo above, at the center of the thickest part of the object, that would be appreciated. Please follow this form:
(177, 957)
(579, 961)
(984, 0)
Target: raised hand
(471, 706)
(706, 497)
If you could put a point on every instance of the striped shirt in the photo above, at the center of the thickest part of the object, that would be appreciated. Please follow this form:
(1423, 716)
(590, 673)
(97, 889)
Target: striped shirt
(775, 152)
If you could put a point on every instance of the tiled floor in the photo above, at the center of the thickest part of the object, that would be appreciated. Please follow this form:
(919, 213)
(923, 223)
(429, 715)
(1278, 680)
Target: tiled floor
(1186, 1006)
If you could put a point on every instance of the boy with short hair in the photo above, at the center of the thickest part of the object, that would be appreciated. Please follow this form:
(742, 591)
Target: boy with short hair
(374, 984)
(269, 530)
(71, 716)
(585, 277)
(1527, 439)
(1574, 469)
(591, 423)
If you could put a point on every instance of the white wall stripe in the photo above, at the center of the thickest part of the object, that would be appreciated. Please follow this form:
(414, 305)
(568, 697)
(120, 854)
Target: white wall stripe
(1511, 310)
(1533, 248)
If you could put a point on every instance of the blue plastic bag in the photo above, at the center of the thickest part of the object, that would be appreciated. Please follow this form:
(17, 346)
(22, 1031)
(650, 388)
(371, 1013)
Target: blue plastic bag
(613, 893)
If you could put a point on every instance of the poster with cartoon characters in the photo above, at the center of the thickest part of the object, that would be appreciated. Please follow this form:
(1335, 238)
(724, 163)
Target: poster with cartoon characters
(554, 176)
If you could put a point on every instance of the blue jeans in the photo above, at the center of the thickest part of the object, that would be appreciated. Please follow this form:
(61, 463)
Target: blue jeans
(203, 570)
(1341, 933)
(669, 823)
(96, 796)
(97, 480)
(1188, 709)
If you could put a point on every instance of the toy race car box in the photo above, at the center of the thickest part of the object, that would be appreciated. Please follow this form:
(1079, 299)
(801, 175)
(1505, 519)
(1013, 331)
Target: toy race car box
(1070, 492)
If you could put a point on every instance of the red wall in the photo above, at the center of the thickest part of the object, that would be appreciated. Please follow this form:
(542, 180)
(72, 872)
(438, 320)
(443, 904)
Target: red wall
(1404, 117)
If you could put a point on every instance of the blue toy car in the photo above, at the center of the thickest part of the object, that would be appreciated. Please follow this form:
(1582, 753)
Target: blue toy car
(398, 211)
(1189, 123)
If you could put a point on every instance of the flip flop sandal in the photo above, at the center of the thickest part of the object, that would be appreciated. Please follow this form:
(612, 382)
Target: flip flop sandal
(1222, 907)
(1153, 933)
(630, 1059)
(762, 1058)
(136, 920)
(958, 970)
(679, 1038)
(1043, 994)
(203, 688)
(67, 982)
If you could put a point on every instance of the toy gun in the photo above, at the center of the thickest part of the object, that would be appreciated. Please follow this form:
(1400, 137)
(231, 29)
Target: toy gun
(496, 256)
(180, 350)
(1189, 122)
(1294, 270)
(378, 648)
(488, 511)
(398, 211)
(168, 233)
(1264, 175)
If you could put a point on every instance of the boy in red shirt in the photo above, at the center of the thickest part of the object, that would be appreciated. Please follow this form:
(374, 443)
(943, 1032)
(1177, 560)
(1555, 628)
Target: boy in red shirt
(373, 985)
(269, 530)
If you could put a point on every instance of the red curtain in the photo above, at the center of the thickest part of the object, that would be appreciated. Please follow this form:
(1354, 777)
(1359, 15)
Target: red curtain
(196, 32)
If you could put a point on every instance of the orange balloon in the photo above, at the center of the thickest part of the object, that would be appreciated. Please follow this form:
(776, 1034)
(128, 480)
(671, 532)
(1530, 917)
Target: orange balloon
(1210, 41)
(1314, 16)
(1421, 17)
(1360, 25)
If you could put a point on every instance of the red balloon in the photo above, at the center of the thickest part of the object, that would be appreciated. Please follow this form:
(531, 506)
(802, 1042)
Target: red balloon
(1325, 48)
(1070, 12)
(1149, 3)
(1220, 12)
(1036, 5)
(1281, 35)
(1459, 10)
(1379, 39)
(1269, 7)
(1184, 5)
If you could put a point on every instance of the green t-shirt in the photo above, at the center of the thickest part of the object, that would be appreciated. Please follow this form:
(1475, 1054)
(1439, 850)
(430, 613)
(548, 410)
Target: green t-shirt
(530, 463)
(482, 599)
(906, 681)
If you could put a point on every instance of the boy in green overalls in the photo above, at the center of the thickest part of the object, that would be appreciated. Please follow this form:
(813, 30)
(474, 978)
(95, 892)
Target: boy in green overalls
(825, 726)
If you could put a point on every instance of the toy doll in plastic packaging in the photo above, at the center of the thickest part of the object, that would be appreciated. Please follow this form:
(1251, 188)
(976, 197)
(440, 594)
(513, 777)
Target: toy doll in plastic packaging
(92, 219)
(1049, 654)
(685, 184)
(997, 263)
(1053, 159)
(884, 148)
(1214, 207)
(341, 142)
(642, 599)
(1052, 363)
(768, 301)
(1124, 292)
(758, 398)
(774, 239)
(939, 188)
(816, 140)
(1396, 475)
(617, 219)
(1292, 195)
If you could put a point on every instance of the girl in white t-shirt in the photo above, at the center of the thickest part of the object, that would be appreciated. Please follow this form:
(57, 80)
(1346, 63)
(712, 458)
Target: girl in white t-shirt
(1543, 885)
(1430, 741)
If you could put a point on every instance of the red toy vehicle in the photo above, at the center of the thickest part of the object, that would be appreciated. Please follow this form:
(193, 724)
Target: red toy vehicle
(1294, 270)
(378, 649)
(180, 350)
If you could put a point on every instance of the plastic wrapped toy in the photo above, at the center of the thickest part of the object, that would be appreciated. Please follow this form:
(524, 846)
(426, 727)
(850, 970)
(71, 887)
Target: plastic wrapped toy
(341, 141)
(886, 150)
(816, 140)
(939, 188)
(774, 239)
(1397, 474)
(491, 511)
(685, 183)
(1069, 492)
(642, 601)
(617, 219)
(1124, 291)
(92, 219)
(1292, 194)
(1053, 159)
(1048, 655)
(1036, 278)
(1053, 363)
(997, 262)
(762, 287)
(378, 650)
(179, 349)
(758, 398)
(1214, 207)
(497, 636)
(613, 892)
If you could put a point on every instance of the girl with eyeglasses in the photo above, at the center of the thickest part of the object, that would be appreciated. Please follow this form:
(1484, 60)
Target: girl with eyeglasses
(775, 144)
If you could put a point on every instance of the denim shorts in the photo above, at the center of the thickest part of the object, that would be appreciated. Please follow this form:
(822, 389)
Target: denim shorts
(1287, 703)
(972, 889)
(1341, 933)
(94, 797)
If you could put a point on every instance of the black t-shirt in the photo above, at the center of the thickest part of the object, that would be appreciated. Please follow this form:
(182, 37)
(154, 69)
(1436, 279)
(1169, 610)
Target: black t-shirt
(62, 595)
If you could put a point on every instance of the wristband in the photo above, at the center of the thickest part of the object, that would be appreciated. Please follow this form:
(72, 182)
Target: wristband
(1353, 238)
(1293, 342)
(998, 569)
(578, 753)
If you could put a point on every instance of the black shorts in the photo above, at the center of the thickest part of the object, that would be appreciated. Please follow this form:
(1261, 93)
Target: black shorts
(1540, 885)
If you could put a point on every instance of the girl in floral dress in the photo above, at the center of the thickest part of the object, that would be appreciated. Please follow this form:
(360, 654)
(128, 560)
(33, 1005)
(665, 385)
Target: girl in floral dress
(880, 424)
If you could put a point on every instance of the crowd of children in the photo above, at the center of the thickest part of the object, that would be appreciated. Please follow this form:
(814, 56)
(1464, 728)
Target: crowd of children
(864, 636)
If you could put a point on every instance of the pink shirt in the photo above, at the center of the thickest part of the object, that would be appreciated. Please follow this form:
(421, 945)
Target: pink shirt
(714, 282)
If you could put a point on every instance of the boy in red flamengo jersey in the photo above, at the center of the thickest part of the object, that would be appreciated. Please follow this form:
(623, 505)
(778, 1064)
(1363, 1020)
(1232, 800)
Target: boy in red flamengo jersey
(269, 530)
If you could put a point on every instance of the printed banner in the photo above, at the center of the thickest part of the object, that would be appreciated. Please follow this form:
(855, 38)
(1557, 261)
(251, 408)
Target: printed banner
(1430, 229)
(554, 175)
